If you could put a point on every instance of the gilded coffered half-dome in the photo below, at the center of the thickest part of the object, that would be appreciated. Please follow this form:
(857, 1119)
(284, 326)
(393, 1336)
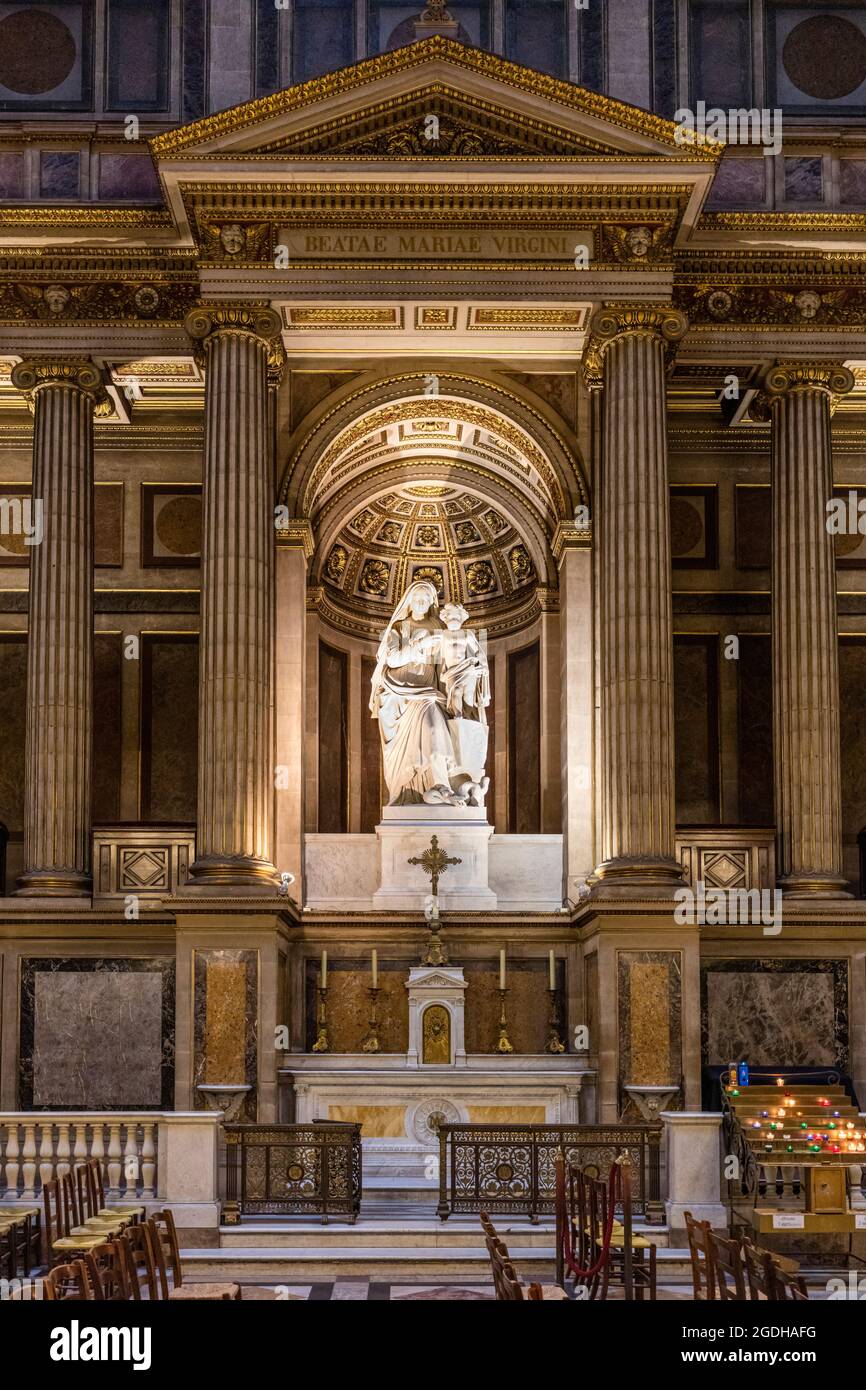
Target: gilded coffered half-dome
(463, 543)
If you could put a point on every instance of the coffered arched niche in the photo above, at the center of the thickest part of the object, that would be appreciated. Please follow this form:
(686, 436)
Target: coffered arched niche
(462, 478)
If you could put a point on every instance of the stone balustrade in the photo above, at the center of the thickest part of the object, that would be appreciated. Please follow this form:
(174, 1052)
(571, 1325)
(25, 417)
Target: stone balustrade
(160, 1157)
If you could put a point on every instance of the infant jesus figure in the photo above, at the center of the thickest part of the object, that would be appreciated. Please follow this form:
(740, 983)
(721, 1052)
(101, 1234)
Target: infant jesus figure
(465, 679)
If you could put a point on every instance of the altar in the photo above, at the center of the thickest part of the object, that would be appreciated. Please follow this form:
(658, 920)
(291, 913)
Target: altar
(401, 1099)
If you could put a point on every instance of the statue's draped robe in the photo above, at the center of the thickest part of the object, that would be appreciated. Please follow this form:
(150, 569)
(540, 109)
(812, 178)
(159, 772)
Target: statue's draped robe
(416, 744)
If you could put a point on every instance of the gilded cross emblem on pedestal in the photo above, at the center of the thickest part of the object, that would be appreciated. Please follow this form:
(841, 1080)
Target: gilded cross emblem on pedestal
(434, 862)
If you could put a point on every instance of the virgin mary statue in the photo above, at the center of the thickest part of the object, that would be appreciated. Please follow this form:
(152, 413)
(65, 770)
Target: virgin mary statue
(417, 750)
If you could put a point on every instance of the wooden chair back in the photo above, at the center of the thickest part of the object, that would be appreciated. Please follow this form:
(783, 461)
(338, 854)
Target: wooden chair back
(700, 1251)
(158, 1255)
(94, 1179)
(86, 1204)
(759, 1272)
(110, 1263)
(167, 1236)
(56, 1225)
(788, 1283)
(67, 1281)
(728, 1264)
(95, 1284)
(140, 1266)
(69, 1197)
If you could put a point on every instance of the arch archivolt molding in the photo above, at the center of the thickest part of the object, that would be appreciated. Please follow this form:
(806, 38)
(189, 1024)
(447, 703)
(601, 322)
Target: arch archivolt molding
(531, 442)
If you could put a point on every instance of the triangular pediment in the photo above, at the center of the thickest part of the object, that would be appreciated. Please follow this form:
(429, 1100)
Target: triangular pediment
(483, 106)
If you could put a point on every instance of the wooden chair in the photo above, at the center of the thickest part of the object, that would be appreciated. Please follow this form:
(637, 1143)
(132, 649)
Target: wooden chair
(29, 1232)
(503, 1270)
(167, 1255)
(58, 1242)
(133, 1210)
(728, 1264)
(759, 1272)
(700, 1251)
(8, 1248)
(632, 1258)
(140, 1266)
(76, 1224)
(158, 1253)
(67, 1281)
(109, 1262)
(88, 1202)
(788, 1283)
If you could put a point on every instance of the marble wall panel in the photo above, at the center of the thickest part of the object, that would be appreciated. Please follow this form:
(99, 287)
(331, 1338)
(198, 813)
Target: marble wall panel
(96, 1034)
(775, 1012)
(13, 691)
(755, 729)
(107, 678)
(333, 740)
(527, 1004)
(852, 682)
(696, 721)
(524, 741)
(169, 726)
(349, 1003)
(225, 1021)
(649, 996)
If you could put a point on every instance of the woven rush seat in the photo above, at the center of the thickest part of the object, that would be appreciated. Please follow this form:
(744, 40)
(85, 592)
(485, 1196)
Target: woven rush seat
(209, 1292)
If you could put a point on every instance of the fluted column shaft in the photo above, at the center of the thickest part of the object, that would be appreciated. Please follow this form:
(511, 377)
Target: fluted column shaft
(637, 753)
(235, 768)
(59, 716)
(805, 638)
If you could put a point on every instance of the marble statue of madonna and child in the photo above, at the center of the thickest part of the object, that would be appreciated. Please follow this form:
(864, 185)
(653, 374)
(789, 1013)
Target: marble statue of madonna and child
(430, 691)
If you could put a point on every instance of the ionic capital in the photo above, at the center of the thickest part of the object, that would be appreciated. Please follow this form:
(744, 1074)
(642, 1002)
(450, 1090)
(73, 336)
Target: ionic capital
(75, 373)
(613, 321)
(831, 378)
(207, 321)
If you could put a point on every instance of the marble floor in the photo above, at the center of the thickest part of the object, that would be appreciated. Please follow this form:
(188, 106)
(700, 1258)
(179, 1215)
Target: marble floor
(361, 1290)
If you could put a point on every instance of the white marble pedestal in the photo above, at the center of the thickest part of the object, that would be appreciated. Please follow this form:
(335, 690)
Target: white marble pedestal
(463, 833)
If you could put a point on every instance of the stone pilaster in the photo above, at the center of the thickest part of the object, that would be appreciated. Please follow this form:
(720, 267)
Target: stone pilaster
(628, 353)
(59, 721)
(572, 550)
(805, 638)
(235, 769)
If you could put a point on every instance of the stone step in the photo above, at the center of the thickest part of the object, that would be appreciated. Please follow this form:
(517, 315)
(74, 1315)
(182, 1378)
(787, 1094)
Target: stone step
(406, 1233)
(294, 1264)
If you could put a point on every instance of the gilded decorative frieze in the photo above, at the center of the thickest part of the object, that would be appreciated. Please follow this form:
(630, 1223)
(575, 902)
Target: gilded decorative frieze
(635, 246)
(54, 301)
(806, 308)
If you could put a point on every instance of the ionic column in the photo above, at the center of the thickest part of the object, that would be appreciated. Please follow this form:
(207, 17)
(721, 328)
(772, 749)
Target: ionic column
(805, 637)
(235, 752)
(59, 720)
(628, 350)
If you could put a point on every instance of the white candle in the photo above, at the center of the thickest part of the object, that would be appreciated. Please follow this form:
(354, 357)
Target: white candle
(552, 973)
(502, 968)
(323, 980)
(375, 970)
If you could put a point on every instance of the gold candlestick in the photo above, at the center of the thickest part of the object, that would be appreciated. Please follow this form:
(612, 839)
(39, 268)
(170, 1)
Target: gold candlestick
(505, 1044)
(371, 1042)
(554, 1041)
(321, 1044)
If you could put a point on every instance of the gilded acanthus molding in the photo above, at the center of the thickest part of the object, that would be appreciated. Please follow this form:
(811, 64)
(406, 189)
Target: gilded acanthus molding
(570, 536)
(727, 304)
(615, 320)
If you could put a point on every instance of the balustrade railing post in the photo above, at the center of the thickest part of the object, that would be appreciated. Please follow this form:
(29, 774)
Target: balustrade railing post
(64, 1150)
(114, 1157)
(655, 1211)
(443, 1209)
(148, 1161)
(29, 1161)
(46, 1151)
(12, 1164)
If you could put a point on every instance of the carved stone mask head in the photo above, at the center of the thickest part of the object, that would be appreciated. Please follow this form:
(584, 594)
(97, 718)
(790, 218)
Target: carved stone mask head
(57, 298)
(639, 240)
(808, 303)
(232, 238)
